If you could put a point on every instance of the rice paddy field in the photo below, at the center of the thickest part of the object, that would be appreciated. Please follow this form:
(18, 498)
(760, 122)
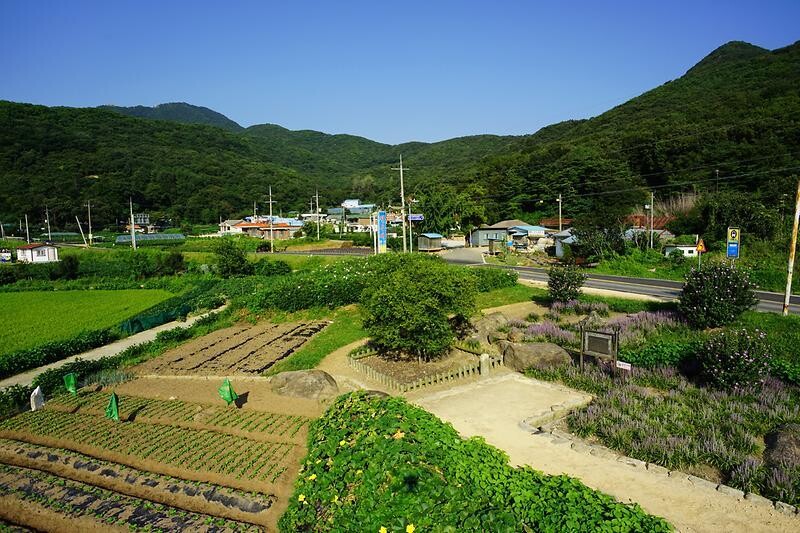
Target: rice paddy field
(29, 319)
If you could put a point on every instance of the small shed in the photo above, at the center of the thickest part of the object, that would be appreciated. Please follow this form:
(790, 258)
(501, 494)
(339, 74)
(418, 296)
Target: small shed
(37, 253)
(688, 250)
(429, 242)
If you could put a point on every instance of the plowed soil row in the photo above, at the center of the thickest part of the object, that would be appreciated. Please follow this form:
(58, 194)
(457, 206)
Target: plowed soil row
(236, 350)
(256, 425)
(204, 498)
(105, 507)
(202, 455)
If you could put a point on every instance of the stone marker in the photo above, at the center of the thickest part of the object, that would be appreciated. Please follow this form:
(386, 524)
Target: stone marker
(522, 356)
(312, 384)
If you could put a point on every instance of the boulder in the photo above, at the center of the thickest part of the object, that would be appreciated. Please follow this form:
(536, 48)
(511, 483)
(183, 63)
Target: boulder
(515, 335)
(311, 384)
(521, 356)
(486, 327)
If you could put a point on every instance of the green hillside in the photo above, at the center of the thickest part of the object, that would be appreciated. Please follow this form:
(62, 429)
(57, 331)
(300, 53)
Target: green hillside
(179, 112)
(736, 111)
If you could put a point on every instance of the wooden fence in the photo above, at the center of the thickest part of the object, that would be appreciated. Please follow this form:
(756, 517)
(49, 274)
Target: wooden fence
(469, 370)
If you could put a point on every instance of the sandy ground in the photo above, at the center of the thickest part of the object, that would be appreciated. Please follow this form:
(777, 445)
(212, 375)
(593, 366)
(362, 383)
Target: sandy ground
(204, 390)
(493, 408)
(26, 378)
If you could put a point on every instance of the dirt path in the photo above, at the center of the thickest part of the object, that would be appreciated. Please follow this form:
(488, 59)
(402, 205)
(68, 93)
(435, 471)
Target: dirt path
(689, 506)
(26, 378)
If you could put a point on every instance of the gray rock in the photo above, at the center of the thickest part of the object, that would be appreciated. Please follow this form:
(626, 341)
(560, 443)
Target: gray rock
(311, 384)
(758, 499)
(486, 327)
(522, 356)
(514, 335)
(730, 491)
(785, 508)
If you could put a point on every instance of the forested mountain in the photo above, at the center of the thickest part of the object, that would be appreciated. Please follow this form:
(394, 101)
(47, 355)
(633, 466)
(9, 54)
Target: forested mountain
(736, 111)
(179, 112)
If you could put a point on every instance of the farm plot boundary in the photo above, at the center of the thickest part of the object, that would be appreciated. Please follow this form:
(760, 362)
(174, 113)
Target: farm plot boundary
(234, 351)
(254, 425)
(203, 498)
(198, 455)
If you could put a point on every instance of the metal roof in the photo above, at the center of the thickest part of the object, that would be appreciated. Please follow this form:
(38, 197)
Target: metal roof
(431, 235)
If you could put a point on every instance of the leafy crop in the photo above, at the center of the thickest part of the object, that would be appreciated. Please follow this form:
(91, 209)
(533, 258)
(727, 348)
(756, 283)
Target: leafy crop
(376, 463)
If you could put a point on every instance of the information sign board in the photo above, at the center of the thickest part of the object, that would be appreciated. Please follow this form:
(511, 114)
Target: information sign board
(381, 232)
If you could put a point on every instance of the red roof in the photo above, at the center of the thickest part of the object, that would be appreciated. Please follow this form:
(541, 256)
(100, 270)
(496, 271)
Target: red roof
(34, 245)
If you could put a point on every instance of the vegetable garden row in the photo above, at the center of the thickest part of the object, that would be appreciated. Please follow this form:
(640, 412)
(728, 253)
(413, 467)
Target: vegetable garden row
(219, 418)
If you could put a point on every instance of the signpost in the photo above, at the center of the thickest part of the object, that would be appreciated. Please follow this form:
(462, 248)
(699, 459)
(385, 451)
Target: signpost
(601, 345)
(416, 217)
(734, 237)
(381, 232)
(701, 249)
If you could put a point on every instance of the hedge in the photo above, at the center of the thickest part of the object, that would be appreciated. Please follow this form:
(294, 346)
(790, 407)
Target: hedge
(21, 360)
(378, 463)
(489, 279)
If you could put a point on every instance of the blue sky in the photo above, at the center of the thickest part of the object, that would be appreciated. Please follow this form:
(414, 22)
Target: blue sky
(389, 71)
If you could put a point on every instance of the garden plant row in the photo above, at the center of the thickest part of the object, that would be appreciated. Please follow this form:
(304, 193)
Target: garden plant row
(218, 418)
(239, 462)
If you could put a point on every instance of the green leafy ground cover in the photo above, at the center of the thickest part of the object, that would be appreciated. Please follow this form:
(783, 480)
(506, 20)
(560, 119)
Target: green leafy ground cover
(382, 463)
(33, 318)
(659, 416)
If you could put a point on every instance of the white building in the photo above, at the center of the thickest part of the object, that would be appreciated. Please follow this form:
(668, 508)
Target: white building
(688, 250)
(37, 253)
(229, 227)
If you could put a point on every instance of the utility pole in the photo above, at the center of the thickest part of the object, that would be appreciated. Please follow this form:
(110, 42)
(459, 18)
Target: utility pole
(89, 207)
(402, 201)
(47, 219)
(271, 234)
(133, 228)
(792, 249)
(27, 233)
(316, 195)
(255, 211)
(652, 215)
(559, 213)
(2, 231)
(80, 228)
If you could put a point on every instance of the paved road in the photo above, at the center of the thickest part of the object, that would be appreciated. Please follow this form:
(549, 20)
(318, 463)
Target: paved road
(660, 288)
(331, 251)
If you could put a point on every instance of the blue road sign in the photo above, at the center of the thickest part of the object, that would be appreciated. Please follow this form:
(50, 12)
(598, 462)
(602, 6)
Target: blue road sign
(416, 218)
(733, 250)
(381, 232)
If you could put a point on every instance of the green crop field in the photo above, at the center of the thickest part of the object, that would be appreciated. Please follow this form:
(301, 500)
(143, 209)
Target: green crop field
(32, 318)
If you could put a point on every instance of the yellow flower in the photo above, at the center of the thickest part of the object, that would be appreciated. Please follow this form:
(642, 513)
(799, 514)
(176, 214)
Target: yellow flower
(359, 472)
(399, 434)
(410, 528)
(312, 477)
(335, 498)
(318, 461)
(301, 498)
(382, 530)
(342, 442)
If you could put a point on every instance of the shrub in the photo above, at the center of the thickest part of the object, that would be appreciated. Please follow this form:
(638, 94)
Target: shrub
(170, 264)
(565, 282)
(67, 268)
(489, 279)
(716, 295)
(232, 259)
(409, 311)
(677, 258)
(267, 267)
(734, 359)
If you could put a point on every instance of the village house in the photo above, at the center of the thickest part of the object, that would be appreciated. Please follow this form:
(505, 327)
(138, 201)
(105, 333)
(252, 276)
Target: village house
(37, 253)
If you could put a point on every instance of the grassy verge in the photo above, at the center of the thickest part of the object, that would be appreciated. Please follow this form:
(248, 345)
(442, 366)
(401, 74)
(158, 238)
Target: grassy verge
(345, 329)
(33, 318)
(508, 295)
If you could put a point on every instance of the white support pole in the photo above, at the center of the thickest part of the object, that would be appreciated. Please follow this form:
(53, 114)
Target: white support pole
(47, 219)
(652, 215)
(133, 228)
(271, 234)
(316, 195)
(792, 250)
(402, 201)
(27, 233)
(80, 228)
(89, 208)
(560, 228)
